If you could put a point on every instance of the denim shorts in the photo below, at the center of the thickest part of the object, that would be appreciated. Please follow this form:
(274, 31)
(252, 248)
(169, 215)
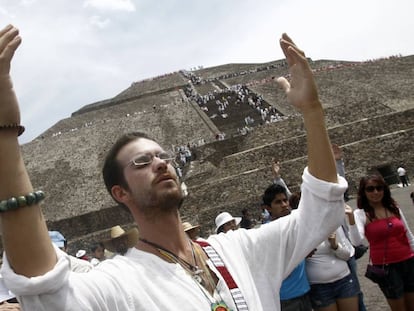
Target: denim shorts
(323, 295)
(400, 279)
(301, 303)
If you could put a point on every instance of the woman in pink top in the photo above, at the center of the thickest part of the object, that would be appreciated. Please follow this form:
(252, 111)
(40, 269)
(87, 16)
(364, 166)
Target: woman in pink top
(391, 242)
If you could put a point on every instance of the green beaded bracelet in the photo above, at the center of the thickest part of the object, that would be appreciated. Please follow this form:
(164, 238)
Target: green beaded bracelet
(21, 201)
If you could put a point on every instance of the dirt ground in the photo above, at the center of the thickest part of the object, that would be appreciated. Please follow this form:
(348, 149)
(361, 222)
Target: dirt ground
(373, 297)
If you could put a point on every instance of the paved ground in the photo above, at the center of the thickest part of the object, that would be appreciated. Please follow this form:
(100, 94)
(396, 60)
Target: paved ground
(374, 299)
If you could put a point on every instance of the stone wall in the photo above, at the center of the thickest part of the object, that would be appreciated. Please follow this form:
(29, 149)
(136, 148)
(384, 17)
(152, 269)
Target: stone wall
(244, 189)
(286, 140)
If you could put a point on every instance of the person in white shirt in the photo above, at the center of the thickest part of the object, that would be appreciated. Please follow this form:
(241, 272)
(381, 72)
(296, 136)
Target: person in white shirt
(165, 270)
(332, 285)
(402, 173)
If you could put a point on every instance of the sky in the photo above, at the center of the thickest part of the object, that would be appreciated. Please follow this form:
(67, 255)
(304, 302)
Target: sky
(77, 52)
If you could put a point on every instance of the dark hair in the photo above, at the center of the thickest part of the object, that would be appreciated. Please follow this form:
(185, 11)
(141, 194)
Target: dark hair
(220, 229)
(112, 171)
(271, 192)
(96, 245)
(387, 200)
(244, 211)
(294, 200)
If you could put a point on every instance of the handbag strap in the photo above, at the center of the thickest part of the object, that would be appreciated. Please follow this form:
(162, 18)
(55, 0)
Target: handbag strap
(386, 239)
(216, 260)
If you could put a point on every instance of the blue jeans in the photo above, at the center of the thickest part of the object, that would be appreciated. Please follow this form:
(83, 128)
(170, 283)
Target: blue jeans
(323, 295)
(353, 268)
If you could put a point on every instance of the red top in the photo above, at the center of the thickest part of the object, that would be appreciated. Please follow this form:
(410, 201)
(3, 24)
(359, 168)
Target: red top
(388, 241)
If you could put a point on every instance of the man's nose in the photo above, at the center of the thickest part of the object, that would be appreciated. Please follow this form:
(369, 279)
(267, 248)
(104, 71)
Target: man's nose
(160, 164)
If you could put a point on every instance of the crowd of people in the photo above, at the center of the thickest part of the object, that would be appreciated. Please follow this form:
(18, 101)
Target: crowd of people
(327, 278)
(300, 258)
(199, 80)
(220, 99)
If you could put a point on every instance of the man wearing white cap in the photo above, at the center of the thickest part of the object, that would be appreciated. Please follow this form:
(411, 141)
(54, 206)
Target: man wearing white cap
(225, 222)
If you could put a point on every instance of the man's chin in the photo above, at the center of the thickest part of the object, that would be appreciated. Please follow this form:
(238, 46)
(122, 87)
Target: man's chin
(160, 206)
(285, 213)
(171, 200)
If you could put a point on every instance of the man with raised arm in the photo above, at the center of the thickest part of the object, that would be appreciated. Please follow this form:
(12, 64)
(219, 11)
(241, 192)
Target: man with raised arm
(239, 270)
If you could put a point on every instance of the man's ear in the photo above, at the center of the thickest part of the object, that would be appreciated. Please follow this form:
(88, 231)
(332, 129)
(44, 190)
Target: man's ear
(119, 194)
(267, 207)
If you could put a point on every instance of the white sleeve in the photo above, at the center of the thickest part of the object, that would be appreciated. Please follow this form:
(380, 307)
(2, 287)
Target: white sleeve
(344, 250)
(22, 285)
(279, 181)
(408, 232)
(357, 231)
(93, 290)
(286, 241)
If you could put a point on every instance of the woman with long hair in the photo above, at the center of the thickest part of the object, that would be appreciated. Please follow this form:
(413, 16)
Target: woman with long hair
(379, 219)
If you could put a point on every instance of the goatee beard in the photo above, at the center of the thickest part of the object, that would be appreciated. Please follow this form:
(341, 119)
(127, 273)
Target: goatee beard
(165, 204)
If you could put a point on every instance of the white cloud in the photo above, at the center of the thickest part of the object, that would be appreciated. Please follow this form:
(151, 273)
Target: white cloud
(111, 5)
(99, 21)
(6, 13)
(28, 2)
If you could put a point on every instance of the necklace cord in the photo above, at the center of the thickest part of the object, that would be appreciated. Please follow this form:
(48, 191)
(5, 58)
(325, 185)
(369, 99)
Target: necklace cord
(173, 257)
(194, 270)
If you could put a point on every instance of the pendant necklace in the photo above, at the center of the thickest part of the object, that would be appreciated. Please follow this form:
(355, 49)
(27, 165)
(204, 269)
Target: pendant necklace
(194, 271)
(216, 305)
(389, 222)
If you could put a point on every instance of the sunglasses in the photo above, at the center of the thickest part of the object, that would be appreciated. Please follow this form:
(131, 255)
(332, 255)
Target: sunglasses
(372, 188)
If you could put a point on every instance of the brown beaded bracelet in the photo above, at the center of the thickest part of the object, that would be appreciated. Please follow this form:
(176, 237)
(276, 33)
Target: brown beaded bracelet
(20, 128)
(21, 201)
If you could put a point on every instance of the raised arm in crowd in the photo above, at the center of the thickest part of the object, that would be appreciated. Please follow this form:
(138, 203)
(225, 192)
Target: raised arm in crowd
(138, 174)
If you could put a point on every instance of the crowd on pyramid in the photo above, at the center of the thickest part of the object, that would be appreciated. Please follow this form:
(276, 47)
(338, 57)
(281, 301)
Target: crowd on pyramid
(301, 256)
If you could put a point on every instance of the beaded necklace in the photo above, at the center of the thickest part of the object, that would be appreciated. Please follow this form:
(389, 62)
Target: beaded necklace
(194, 271)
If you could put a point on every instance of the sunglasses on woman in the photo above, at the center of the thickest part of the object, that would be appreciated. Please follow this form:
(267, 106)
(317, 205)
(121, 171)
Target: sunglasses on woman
(372, 188)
